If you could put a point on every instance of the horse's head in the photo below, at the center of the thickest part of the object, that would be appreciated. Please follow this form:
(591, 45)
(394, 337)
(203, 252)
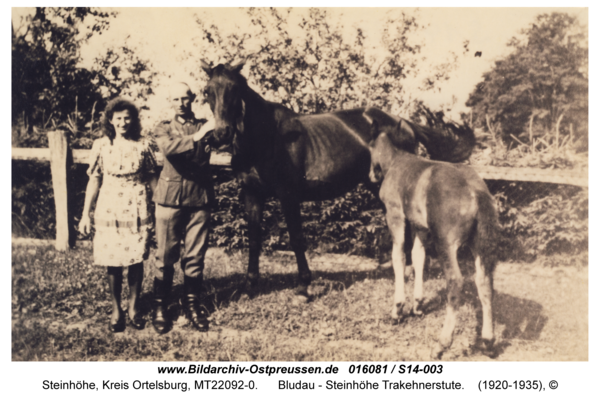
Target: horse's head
(224, 93)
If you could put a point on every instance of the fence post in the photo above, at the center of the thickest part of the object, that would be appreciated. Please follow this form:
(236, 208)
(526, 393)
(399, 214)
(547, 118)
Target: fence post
(57, 141)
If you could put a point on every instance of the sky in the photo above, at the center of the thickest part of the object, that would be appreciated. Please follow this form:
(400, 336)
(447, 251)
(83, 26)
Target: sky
(161, 35)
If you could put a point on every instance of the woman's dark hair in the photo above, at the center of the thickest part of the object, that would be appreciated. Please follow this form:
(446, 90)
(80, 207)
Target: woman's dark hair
(117, 105)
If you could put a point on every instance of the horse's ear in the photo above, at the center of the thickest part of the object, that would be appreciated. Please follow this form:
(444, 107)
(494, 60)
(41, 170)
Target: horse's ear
(237, 67)
(405, 131)
(374, 129)
(404, 136)
(206, 67)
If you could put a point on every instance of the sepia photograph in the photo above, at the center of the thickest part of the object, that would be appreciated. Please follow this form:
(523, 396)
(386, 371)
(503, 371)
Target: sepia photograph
(295, 184)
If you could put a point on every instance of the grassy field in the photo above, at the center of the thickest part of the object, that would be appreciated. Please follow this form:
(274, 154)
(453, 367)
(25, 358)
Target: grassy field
(60, 311)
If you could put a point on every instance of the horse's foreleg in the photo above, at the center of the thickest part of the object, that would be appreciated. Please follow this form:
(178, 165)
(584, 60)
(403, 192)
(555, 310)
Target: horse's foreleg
(291, 212)
(398, 261)
(254, 206)
(396, 225)
(454, 280)
(418, 262)
(385, 242)
(484, 282)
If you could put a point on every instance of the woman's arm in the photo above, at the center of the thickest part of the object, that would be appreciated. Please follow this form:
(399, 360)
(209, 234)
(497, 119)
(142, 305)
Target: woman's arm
(91, 194)
(153, 181)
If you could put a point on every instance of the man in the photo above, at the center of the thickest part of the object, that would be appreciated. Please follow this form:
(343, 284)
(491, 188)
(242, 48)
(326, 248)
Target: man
(183, 197)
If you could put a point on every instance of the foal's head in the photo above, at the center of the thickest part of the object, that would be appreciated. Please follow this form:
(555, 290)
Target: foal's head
(380, 147)
(386, 141)
(224, 92)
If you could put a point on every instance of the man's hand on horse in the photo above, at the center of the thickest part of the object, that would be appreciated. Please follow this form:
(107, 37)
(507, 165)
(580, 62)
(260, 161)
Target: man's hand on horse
(207, 127)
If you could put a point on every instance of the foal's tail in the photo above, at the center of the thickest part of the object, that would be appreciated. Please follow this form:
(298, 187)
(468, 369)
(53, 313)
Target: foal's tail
(487, 229)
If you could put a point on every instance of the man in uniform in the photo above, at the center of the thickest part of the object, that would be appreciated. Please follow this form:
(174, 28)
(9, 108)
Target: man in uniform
(183, 197)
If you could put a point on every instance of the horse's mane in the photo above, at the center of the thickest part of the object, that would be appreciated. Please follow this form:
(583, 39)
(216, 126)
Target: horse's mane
(446, 142)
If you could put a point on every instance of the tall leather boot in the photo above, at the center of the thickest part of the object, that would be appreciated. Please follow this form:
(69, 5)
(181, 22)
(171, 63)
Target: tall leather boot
(195, 313)
(160, 314)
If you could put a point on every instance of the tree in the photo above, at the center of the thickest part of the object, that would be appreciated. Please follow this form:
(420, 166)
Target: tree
(120, 72)
(47, 84)
(49, 87)
(540, 90)
(306, 61)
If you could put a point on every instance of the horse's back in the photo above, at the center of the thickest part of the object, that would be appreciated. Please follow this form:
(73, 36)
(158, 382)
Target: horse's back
(330, 149)
(434, 196)
(405, 188)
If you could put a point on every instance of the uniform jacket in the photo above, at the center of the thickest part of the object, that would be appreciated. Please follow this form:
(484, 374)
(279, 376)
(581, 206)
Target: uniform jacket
(186, 179)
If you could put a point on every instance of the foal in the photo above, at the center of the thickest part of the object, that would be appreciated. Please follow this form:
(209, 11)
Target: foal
(447, 206)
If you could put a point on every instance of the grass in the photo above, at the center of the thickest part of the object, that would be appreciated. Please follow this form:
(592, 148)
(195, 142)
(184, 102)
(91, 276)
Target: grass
(60, 311)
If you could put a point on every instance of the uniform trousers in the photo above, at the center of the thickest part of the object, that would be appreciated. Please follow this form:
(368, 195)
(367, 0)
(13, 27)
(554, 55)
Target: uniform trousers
(174, 224)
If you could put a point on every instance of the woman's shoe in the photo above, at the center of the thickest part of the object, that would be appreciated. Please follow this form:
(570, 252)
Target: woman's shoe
(137, 322)
(120, 325)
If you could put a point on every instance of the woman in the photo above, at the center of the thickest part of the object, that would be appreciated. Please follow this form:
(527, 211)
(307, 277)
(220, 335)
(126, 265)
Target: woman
(121, 166)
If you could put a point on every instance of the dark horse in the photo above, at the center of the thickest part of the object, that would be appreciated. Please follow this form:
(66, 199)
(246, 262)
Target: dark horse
(277, 152)
(447, 206)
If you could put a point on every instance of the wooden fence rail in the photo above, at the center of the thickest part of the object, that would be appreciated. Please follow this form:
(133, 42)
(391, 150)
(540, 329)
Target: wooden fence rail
(82, 156)
(59, 156)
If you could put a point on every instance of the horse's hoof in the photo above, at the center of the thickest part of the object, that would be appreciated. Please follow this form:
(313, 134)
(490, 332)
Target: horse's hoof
(305, 279)
(398, 319)
(250, 287)
(486, 347)
(299, 299)
(301, 291)
(418, 308)
(399, 312)
(437, 351)
(252, 280)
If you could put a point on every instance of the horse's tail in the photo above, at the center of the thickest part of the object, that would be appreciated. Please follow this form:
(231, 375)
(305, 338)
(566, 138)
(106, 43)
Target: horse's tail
(448, 142)
(487, 229)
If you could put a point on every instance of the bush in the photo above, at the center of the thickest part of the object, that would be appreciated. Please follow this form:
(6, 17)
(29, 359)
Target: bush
(541, 219)
(536, 218)
(32, 200)
(33, 210)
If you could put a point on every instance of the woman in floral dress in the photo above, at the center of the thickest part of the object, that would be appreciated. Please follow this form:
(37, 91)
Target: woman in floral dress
(121, 165)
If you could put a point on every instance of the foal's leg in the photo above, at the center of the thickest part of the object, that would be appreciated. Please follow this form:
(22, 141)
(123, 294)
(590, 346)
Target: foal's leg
(418, 262)
(254, 207)
(396, 226)
(454, 281)
(484, 282)
(293, 219)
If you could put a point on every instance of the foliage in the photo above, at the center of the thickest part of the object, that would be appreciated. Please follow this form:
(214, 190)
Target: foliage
(32, 201)
(537, 219)
(50, 88)
(538, 94)
(350, 224)
(546, 219)
(315, 66)
(120, 72)
(33, 209)
(227, 219)
(491, 151)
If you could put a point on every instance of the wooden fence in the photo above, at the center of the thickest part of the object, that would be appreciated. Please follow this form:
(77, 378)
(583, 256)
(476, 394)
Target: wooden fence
(60, 158)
